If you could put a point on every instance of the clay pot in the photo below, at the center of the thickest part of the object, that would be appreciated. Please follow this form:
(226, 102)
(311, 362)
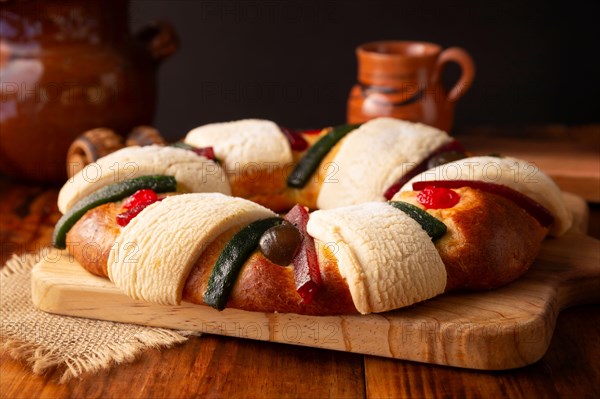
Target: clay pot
(401, 79)
(67, 67)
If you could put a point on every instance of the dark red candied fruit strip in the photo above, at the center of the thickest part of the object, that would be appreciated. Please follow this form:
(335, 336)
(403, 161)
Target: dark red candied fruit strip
(453, 145)
(307, 275)
(311, 131)
(206, 152)
(136, 203)
(140, 197)
(295, 139)
(124, 218)
(534, 208)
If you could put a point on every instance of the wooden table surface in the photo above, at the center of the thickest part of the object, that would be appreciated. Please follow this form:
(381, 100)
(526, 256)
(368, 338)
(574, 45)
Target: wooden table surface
(216, 366)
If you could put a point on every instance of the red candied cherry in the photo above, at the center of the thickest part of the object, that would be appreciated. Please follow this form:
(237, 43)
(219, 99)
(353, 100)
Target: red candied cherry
(438, 197)
(534, 208)
(135, 204)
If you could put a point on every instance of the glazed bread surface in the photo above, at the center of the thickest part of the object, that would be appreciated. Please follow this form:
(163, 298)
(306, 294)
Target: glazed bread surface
(490, 242)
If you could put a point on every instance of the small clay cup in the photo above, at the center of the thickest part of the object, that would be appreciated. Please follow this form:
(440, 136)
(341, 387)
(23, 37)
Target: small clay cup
(402, 79)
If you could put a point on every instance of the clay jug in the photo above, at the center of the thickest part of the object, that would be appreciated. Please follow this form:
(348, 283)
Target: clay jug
(402, 79)
(66, 67)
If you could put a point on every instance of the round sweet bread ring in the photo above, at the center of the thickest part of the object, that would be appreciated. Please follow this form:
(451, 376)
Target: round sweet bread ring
(341, 282)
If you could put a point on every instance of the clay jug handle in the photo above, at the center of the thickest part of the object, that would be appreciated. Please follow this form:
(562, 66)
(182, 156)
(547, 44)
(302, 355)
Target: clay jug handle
(462, 58)
(160, 39)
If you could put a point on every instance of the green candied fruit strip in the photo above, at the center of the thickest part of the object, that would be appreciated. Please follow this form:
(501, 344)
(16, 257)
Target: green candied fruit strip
(434, 227)
(231, 260)
(315, 154)
(111, 193)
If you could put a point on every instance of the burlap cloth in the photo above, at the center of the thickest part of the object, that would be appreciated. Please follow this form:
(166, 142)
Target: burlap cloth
(72, 344)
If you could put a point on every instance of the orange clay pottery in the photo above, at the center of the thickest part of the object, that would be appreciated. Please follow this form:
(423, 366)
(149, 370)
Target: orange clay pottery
(66, 67)
(402, 79)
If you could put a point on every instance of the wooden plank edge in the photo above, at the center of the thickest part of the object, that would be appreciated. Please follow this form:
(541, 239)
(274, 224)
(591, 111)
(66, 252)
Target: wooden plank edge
(54, 296)
(416, 339)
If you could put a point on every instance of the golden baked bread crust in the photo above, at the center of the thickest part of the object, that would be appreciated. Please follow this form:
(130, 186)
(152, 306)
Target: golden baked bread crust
(266, 287)
(92, 237)
(268, 186)
(261, 285)
(490, 242)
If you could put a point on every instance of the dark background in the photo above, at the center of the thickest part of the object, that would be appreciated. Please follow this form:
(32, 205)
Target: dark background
(294, 61)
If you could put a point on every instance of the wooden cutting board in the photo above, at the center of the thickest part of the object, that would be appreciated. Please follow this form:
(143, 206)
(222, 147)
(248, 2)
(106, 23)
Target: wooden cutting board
(502, 329)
